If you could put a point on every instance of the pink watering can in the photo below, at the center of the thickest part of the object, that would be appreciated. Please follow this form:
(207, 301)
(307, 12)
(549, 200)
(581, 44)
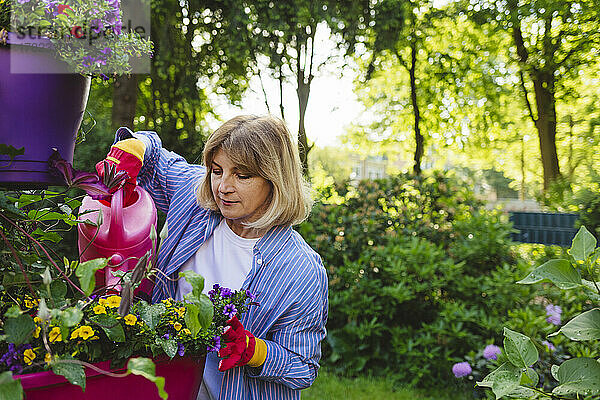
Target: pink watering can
(123, 236)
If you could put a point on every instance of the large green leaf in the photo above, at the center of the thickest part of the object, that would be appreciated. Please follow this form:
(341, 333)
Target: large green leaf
(70, 316)
(195, 280)
(191, 318)
(583, 244)
(519, 349)
(10, 389)
(74, 372)
(85, 272)
(150, 313)
(110, 326)
(503, 380)
(205, 309)
(18, 329)
(585, 326)
(578, 375)
(559, 272)
(145, 367)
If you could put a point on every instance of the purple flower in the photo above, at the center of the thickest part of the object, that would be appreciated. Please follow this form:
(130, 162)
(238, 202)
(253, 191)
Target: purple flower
(226, 292)
(229, 310)
(166, 335)
(89, 182)
(181, 349)
(461, 369)
(250, 295)
(23, 1)
(491, 352)
(552, 309)
(553, 313)
(216, 344)
(549, 345)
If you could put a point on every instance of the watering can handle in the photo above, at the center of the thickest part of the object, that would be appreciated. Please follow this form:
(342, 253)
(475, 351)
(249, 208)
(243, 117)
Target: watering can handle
(116, 228)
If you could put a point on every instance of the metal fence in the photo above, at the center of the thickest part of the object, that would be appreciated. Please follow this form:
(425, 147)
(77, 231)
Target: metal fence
(544, 228)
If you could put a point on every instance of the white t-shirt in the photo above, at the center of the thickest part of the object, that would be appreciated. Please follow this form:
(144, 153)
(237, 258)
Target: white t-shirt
(225, 258)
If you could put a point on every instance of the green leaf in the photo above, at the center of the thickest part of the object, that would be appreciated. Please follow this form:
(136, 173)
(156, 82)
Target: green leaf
(110, 326)
(530, 378)
(85, 272)
(74, 372)
(13, 312)
(583, 244)
(10, 389)
(18, 329)
(205, 309)
(503, 380)
(43, 235)
(145, 367)
(554, 371)
(191, 318)
(168, 345)
(151, 314)
(197, 282)
(578, 375)
(70, 316)
(559, 272)
(519, 349)
(585, 326)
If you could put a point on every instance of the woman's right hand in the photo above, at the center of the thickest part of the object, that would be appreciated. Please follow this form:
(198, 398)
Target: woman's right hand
(125, 155)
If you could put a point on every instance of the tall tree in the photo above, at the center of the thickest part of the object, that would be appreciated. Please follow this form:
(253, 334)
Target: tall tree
(551, 38)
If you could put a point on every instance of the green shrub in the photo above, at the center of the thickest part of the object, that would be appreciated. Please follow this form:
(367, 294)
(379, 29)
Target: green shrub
(419, 275)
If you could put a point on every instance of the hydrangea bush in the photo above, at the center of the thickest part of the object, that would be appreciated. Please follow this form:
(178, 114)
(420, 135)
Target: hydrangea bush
(576, 377)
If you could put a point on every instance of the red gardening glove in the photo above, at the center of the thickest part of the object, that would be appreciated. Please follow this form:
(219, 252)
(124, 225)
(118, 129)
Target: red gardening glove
(240, 345)
(126, 155)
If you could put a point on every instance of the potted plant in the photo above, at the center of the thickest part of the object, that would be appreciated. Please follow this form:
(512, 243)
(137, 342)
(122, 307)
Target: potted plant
(60, 333)
(48, 52)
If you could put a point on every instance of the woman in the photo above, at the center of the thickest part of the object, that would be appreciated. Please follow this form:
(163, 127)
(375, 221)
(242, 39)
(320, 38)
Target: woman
(230, 220)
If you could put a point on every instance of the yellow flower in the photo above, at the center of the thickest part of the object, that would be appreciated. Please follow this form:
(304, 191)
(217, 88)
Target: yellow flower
(177, 326)
(47, 358)
(28, 356)
(99, 309)
(130, 319)
(181, 311)
(36, 333)
(55, 335)
(30, 303)
(37, 320)
(84, 332)
(186, 331)
(102, 302)
(167, 302)
(113, 301)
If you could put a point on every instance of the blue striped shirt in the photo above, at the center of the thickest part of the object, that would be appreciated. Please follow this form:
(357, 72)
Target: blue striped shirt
(287, 277)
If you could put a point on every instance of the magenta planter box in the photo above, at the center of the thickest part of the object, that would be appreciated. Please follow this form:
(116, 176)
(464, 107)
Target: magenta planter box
(182, 382)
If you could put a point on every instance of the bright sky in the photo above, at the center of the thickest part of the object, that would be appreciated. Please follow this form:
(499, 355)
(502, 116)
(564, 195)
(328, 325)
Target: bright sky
(331, 106)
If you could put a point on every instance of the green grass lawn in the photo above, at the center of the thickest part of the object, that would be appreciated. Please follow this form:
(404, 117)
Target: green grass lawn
(330, 386)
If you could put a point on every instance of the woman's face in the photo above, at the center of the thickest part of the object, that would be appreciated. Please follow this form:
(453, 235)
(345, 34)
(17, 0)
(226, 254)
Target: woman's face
(240, 196)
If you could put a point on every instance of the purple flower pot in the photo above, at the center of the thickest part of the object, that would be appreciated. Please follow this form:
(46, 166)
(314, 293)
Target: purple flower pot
(38, 111)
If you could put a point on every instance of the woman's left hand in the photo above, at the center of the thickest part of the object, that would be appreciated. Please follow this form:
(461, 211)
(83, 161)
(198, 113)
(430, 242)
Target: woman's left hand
(242, 348)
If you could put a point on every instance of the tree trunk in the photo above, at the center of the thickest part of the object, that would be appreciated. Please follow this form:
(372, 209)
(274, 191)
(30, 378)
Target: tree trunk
(419, 140)
(303, 92)
(124, 101)
(543, 83)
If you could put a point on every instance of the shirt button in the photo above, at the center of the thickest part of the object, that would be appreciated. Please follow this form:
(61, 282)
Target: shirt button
(259, 261)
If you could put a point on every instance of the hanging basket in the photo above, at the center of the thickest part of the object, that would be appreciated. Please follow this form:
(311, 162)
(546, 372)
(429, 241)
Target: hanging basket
(38, 112)
(182, 382)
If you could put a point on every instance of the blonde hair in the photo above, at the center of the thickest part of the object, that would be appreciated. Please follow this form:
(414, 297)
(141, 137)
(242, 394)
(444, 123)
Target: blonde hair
(261, 146)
